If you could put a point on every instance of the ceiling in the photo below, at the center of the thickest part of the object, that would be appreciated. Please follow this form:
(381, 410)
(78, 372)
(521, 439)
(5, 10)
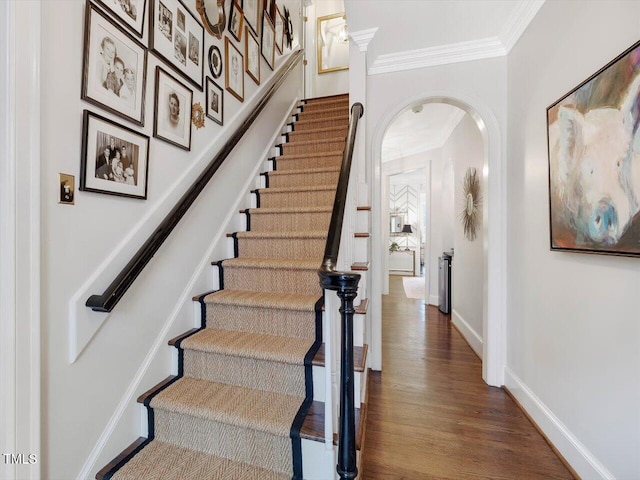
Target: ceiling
(406, 30)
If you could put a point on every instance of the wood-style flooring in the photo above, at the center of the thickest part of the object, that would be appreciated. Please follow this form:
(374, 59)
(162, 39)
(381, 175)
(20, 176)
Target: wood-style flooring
(430, 415)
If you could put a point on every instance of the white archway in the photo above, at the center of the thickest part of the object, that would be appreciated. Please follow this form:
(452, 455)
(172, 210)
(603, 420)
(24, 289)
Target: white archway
(494, 225)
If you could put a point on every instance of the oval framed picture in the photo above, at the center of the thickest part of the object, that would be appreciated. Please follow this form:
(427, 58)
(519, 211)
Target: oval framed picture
(215, 61)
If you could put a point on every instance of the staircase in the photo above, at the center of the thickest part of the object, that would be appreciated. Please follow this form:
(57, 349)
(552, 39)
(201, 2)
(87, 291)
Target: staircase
(245, 387)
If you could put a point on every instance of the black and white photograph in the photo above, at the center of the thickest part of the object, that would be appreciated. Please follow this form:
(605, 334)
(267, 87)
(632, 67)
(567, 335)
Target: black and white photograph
(67, 189)
(180, 20)
(115, 158)
(115, 68)
(215, 98)
(279, 24)
(268, 40)
(234, 70)
(252, 14)
(236, 20)
(173, 103)
(165, 21)
(215, 61)
(130, 12)
(194, 48)
(252, 56)
(173, 43)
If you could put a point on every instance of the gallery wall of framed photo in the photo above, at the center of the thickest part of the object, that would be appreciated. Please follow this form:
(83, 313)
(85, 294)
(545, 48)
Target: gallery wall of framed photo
(146, 62)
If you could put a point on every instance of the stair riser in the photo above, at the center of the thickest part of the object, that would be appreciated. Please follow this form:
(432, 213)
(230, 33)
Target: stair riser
(304, 179)
(278, 222)
(227, 441)
(325, 104)
(270, 321)
(293, 248)
(322, 113)
(284, 164)
(312, 148)
(305, 136)
(245, 372)
(315, 124)
(273, 280)
(311, 198)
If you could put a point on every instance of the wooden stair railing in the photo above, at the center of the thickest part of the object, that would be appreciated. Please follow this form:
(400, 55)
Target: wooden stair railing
(345, 284)
(116, 290)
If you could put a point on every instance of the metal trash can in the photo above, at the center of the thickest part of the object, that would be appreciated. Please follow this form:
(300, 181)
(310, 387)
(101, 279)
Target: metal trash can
(444, 283)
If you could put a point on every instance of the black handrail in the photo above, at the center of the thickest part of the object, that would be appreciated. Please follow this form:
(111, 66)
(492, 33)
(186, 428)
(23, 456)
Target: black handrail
(346, 286)
(115, 291)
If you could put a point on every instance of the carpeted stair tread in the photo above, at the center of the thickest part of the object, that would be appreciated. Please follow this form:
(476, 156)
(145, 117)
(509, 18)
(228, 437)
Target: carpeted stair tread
(295, 156)
(276, 210)
(249, 345)
(259, 410)
(164, 461)
(280, 301)
(323, 141)
(339, 130)
(271, 263)
(303, 188)
(306, 171)
(303, 235)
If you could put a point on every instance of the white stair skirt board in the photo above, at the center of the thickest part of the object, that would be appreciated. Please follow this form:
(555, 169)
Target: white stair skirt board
(579, 457)
(469, 334)
(318, 463)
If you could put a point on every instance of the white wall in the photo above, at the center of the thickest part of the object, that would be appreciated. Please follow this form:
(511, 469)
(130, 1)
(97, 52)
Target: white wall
(330, 83)
(90, 404)
(573, 332)
(465, 148)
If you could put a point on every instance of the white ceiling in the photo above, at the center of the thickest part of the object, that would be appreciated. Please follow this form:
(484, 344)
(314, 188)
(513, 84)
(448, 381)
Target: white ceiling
(406, 30)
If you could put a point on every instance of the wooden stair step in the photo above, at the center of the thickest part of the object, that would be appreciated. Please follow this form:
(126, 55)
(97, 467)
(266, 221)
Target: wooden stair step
(359, 357)
(313, 425)
(360, 266)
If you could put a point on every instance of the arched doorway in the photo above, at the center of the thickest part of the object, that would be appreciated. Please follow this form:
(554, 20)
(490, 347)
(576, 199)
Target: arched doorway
(494, 230)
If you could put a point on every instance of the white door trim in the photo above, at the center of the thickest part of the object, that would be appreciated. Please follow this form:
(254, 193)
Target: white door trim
(20, 238)
(494, 224)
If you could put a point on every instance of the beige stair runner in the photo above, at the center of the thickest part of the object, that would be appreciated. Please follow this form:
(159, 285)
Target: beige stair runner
(236, 411)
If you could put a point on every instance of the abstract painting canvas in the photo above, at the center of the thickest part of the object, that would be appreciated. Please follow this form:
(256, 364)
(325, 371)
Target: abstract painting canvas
(594, 162)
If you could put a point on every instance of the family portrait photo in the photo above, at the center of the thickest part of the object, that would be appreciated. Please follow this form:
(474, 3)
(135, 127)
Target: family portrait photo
(67, 189)
(234, 70)
(177, 37)
(114, 68)
(114, 158)
(215, 61)
(215, 101)
(236, 20)
(131, 12)
(173, 110)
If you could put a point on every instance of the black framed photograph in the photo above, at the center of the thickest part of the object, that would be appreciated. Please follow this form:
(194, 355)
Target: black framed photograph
(215, 61)
(236, 20)
(215, 101)
(115, 158)
(130, 12)
(67, 189)
(114, 67)
(234, 71)
(178, 38)
(268, 40)
(252, 56)
(279, 24)
(251, 11)
(173, 103)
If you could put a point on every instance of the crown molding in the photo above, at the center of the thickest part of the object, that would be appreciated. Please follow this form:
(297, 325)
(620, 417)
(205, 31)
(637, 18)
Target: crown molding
(490, 47)
(363, 37)
(518, 22)
(440, 55)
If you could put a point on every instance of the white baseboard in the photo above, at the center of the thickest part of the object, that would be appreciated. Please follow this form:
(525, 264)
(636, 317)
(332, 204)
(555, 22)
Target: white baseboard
(574, 452)
(470, 335)
(161, 340)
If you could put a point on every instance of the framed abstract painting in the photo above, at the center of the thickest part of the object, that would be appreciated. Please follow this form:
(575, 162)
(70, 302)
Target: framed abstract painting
(594, 161)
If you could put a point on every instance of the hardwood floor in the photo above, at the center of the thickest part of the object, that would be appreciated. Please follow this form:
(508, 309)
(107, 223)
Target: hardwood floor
(431, 416)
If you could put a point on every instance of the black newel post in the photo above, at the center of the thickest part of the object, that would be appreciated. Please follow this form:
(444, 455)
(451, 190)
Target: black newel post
(346, 285)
